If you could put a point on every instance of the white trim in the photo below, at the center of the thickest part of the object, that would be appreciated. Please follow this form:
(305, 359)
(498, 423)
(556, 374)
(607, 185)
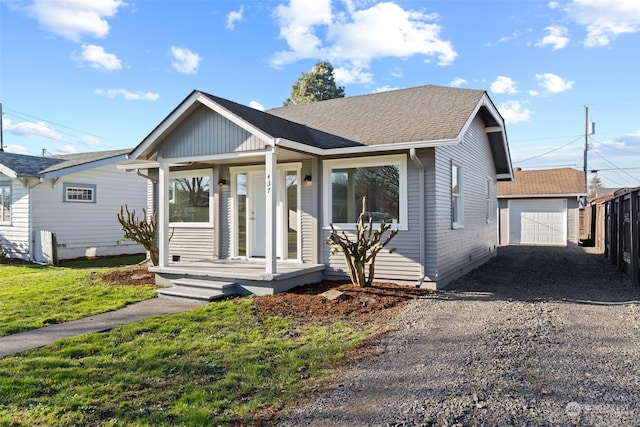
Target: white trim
(192, 174)
(460, 205)
(400, 159)
(542, 196)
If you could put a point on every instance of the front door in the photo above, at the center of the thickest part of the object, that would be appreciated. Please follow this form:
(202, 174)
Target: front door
(256, 214)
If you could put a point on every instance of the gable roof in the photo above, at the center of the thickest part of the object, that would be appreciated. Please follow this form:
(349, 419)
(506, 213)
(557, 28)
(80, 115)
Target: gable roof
(25, 166)
(424, 116)
(544, 182)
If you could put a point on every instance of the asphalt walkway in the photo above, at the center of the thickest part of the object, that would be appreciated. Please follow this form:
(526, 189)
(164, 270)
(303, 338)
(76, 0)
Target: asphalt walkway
(35, 338)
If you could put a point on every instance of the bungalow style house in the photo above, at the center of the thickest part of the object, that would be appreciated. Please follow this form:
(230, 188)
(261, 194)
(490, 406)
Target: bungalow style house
(245, 197)
(64, 207)
(542, 207)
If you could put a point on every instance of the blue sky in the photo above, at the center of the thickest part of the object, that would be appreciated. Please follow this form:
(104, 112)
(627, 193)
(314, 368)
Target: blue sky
(87, 75)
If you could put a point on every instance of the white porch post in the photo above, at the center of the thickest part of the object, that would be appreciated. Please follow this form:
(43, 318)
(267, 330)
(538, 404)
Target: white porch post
(271, 178)
(163, 213)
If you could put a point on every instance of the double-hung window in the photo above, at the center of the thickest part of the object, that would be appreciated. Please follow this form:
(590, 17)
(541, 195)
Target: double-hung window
(456, 196)
(5, 204)
(381, 179)
(190, 197)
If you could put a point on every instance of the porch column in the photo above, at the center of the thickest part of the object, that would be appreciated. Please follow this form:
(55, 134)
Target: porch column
(163, 213)
(271, 179)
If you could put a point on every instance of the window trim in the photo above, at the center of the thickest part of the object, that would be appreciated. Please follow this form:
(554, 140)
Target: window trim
(5, 221)
(191, 174)
(372, 161)
(491, 209)
(75, 186)
(460, 198)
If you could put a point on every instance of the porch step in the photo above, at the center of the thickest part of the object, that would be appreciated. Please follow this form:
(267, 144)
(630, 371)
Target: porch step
(200, 289)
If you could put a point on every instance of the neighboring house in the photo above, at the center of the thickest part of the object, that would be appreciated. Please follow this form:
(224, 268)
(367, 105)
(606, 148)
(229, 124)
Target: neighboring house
(258, 190)
(74, 196)
(541, 207)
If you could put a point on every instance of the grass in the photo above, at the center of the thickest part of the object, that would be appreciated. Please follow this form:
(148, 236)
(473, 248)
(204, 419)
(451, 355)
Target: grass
(34, 296)
(220, 364)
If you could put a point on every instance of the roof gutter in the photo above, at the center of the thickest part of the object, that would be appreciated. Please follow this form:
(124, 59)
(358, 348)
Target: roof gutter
(420, 166)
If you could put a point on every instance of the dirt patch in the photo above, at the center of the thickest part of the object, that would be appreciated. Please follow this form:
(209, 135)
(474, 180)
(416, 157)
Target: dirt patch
(138, 276)
(356, 303)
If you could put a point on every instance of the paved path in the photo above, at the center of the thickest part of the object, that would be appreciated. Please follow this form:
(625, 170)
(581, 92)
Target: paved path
(102, 322)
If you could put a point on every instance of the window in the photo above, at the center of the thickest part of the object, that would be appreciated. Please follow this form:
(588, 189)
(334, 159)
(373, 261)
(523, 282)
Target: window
(5, 204)
(489, 200)
(381, 179)
(190, 197)
(456, 196)
(79, 193)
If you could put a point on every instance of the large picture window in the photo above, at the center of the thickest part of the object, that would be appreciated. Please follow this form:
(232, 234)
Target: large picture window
(190, 197)
(381, 179)
(5, 204)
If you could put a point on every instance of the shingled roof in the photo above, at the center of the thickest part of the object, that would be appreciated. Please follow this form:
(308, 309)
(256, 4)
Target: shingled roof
(544, 182)
(424, 113)
(25, 166)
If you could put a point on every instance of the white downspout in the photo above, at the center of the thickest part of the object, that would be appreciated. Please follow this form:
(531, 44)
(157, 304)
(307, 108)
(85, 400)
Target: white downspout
(420, 166)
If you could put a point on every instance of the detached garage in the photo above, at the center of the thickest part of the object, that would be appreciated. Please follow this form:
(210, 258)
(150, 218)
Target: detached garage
(541, 207)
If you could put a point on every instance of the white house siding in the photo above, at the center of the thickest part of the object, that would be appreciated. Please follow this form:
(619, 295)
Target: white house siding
(460, 250)
(402, 266)
(89, 229)
(503, 215)
(14, 236)
(205, 132)
(192, 244)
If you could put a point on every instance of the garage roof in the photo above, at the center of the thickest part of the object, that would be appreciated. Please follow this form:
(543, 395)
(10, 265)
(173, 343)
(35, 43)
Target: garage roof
(543, 183)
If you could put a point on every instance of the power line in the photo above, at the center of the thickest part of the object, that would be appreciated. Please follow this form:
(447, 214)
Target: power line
(551, 151)
(25, 116)
(614, 166)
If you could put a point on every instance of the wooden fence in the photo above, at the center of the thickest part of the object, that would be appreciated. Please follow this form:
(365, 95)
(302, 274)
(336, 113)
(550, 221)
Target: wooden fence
(622, 232)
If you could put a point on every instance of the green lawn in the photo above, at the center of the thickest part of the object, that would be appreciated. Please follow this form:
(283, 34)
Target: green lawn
(220, 364)
(32, 296)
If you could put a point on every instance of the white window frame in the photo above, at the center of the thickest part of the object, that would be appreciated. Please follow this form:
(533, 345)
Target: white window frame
(193, 174)
(3, 220)
(491, 209)
(457, 199)
(73, 186)
(397, 159)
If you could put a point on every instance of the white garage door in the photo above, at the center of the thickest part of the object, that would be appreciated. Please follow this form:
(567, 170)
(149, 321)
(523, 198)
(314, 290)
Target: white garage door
(538, 222)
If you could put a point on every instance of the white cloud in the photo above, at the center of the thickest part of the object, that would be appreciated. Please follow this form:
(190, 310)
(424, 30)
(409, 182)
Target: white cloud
(98, 58)
(513, 112)
(552, 83)
(556, 38)
(604, 20)
(127, 95)
(39, 129)
(185, 61)
(397, 72)
(352, 38)
(629, 142)
(234, 17)
(256, 105)
(385, 88)
(17, 149)
(553, 5)
(75, 18)
(90, 140)
(458, 82)
(66, 149)
(504, 84)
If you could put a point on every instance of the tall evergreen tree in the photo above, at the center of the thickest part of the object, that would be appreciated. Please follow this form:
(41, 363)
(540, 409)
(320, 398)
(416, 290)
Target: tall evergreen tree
(316, 85)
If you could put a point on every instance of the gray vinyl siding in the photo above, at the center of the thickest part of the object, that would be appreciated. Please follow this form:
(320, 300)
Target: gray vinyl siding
(205, 132)
(192, 244)
(14, 236)
(402, 266)
(460, 250)
(89, 229)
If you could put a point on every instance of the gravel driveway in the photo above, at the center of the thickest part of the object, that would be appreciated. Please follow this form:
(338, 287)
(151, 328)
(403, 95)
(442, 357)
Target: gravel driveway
(537, 336)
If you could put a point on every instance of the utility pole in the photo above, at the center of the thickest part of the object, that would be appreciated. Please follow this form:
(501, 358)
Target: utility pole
(586, 147)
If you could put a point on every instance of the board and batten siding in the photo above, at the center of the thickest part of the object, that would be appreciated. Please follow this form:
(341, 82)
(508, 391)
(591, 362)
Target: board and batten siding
(205, 132)
(402, 266)
(458, 251)
(14, 236)
(89, 229)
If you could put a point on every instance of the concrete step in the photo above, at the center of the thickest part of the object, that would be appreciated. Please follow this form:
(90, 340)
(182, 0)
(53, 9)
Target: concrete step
(199, 289)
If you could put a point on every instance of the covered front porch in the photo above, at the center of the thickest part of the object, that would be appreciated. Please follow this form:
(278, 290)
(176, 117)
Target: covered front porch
(214, 279)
